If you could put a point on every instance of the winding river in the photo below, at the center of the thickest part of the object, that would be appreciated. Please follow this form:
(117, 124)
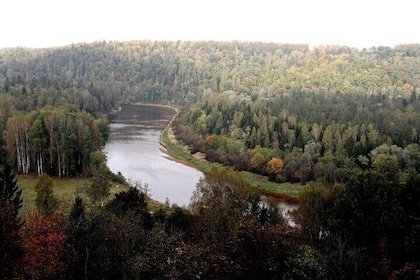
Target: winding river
(134, 150)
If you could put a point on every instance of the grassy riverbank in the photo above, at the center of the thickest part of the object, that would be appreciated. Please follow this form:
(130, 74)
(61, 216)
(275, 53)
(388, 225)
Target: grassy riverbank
(180, 152)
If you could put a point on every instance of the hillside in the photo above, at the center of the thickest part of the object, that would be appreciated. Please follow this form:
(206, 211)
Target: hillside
(345, 120)
(275, 96)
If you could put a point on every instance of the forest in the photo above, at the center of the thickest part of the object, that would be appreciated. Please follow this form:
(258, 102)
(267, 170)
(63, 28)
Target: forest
(343, 122)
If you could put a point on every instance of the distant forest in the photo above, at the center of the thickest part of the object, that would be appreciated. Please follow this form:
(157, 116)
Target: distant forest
(322, 111)
(343, 123)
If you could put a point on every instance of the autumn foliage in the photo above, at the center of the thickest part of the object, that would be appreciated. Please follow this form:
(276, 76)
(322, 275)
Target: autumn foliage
(274, 167)
(45, 251)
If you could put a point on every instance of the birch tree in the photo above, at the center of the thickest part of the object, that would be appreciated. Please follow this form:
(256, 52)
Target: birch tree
(17, 142)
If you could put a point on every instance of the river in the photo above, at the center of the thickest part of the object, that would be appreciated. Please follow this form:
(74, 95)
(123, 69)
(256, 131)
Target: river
(134, 150)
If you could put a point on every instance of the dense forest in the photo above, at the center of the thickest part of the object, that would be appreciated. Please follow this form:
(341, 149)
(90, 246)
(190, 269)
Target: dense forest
(308, 107)
(346, 120)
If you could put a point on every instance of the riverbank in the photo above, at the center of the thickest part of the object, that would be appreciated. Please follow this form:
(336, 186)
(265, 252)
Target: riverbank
(135, 150)
(180, 152)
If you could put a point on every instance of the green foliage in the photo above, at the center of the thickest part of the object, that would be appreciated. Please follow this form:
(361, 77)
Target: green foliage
(161, 256)
(77, 219)
(98, 190)
(231, 225)
(118, 235)
(46, 202)
(55, 141)
(131, 201)
(305, 265)
(364, 229)
(312, 213)
(100, 187)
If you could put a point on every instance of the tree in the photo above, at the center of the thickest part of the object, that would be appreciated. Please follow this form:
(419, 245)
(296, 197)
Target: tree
(159, 260)
(132, 200)
(77, 237)
(9, 190)
(274, 168)
(10, 223)
(257, 160)
(233, 235)
(99, 190)
(17, 142)
(125, 230)
(100, 186)
(45, 250)
(305, 265)
(365, 236)
(311, 213)
(46, 202)
(37, 142)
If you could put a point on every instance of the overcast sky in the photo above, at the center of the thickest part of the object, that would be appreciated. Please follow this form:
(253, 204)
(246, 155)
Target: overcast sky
(353, 23)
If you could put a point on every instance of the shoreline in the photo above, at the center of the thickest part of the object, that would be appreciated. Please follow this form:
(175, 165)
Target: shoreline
(174, 151)
(166, 141)
(168, 156)
(277, 196)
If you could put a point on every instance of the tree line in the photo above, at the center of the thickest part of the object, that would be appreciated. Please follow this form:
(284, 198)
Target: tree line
(317, 137)
(57, 141)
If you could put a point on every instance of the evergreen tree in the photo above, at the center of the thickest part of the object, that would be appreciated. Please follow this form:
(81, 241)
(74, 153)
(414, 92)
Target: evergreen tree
(9, 190)
(77, 236)
(131, 200)
(10, 223)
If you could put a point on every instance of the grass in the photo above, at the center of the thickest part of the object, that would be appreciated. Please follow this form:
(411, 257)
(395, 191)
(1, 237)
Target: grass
(181, 153)
(261, 183)
(65, 189)
(287, 191)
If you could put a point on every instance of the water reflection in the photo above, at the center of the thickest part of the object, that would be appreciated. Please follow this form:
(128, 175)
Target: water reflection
(284, 206)
(134, 150)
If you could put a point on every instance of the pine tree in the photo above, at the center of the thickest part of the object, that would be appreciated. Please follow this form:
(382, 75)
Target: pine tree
(9, 190)
(10, 223)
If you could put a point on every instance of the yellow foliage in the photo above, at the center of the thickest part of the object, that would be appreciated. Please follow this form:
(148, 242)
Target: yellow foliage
(275, 166)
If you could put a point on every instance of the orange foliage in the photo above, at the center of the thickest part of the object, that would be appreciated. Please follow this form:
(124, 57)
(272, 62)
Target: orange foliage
(209, 140)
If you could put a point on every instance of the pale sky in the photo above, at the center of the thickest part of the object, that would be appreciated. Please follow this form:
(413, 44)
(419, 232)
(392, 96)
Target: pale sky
(353, 23)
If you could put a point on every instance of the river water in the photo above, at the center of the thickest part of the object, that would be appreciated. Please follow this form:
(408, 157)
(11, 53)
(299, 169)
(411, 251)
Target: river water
(134, 150)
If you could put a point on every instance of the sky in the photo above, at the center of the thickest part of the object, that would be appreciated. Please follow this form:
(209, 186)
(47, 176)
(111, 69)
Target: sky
(353, 23)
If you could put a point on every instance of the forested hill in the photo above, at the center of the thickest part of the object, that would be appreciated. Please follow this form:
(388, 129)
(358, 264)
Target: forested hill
(279, 97)
(97, 76)
(346, 120)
